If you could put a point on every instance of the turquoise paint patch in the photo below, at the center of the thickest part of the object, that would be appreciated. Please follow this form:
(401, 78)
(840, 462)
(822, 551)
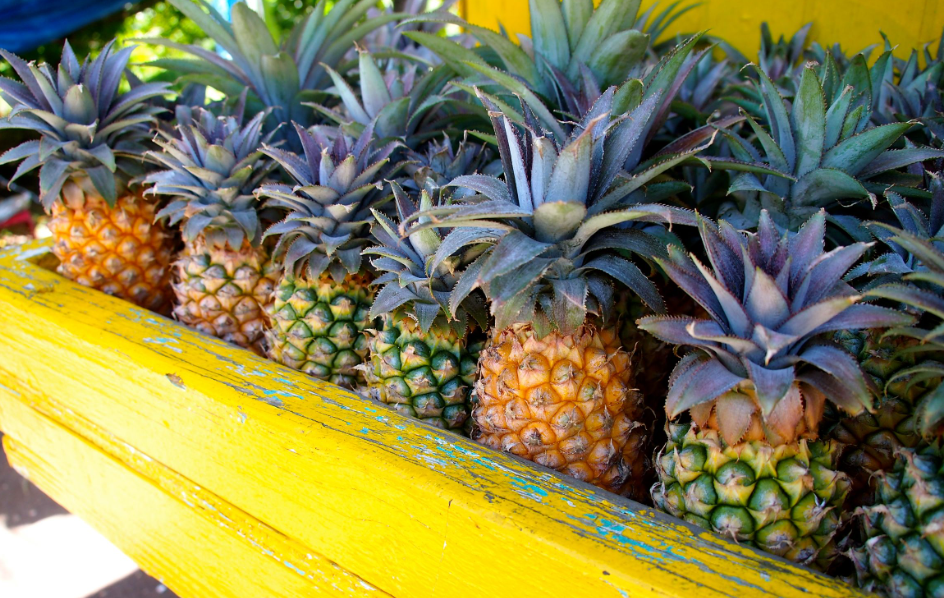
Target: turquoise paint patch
(25, 255)
(165, 342)
(530, 490)
(8, 389)
(280, 393)
(294, 568)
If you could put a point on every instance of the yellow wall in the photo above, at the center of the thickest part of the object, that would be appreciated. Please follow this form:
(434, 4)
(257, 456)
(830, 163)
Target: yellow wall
(854, 24)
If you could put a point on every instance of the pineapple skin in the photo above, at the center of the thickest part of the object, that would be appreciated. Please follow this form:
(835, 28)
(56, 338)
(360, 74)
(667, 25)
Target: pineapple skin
(224, 293)
(873, 438)
(563, 401)
(424, 375)
(785, 500)
(318, 327)
(903, 554)
(118, 250)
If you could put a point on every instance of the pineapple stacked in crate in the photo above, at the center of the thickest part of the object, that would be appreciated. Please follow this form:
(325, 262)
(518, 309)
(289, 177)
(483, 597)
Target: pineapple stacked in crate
(323, 298)
(900, 552)
(554, 384)
(90, 159)
(420, 360)
(224, 278)
(748, 464)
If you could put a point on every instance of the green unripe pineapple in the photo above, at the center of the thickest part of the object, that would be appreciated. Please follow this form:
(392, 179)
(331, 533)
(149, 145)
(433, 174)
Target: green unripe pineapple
(874, 437)
(322, 302)
(749, 464)
(785, 499)
(318, 327)
(426, 375)
(904, 553)
(421, 363)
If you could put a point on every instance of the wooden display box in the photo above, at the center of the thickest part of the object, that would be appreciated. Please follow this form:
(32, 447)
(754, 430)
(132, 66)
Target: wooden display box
(227, 475)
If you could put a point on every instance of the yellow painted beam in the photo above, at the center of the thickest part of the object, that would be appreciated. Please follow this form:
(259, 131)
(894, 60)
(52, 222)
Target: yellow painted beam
(196, 543)
(854, 24)
(407, 508)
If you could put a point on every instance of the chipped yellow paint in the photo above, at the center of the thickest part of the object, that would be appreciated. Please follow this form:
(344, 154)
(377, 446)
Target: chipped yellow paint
(854, 24)
(270, 465)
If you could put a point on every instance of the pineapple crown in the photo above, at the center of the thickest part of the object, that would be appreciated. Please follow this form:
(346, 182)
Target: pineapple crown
(337, 182)
(780, 59)
(213, 166)
(915, 94)
(575, 51)
(408, 280)
(400, 104)
(439, 164)
(551, 226)
(813, 155)
(699, 94)
(774, 300)
(917, 260)
(280, 73)
(86, 127)
(499, 86)
(391, 36)
(898, 261)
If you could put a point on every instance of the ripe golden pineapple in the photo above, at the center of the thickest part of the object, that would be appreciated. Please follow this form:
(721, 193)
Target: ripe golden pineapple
(91, 142)
(552, 386)
(748, 464)
(116, 249)
(225, 278)
(565, 401)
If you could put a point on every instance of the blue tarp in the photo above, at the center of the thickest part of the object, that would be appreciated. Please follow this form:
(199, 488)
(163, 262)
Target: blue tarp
(26, 24)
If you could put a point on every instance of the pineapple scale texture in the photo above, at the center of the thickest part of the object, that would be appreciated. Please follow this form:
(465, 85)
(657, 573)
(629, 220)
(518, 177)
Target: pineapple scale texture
(564, 401)
(785, 499)
(318, 327)
(904, 554)
(422, 375)
(224, 292)
(118, 250)
(874, 437)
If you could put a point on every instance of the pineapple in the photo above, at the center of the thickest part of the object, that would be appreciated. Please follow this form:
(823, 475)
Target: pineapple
(90, 150)
(902, 554)
(554, 384)
(401, 104)
(420, 363)
(814, 155)
(224, 275)
(323, 298)
(748, 465)
(279, 74)
(575, 52)
(874, 438)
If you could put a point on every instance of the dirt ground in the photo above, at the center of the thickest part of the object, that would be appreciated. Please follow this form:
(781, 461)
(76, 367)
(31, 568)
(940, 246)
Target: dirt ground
(73, 556)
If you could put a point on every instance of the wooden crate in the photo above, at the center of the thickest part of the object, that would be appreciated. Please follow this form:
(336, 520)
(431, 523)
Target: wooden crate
(855, 24)
(225, 475)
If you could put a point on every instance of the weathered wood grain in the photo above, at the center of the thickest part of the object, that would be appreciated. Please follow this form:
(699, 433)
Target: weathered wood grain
(407, 508)
(194, 542)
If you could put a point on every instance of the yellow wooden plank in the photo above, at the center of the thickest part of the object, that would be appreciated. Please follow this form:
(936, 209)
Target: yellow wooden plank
(854, 24)
(408, 508)
(197, 544)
